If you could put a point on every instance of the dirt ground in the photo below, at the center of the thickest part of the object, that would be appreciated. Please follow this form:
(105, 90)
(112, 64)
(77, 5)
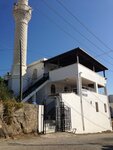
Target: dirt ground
(60, 141)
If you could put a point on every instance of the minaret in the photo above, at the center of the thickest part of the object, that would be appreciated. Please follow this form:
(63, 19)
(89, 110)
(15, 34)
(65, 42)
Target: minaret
(22, 15)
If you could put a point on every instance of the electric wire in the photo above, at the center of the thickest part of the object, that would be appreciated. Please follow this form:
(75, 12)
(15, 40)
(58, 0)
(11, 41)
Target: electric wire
(77, 19)
(71, 24)
(74, 37)
(85, 116)
(73, 27)
(94, 106)
(67, 33)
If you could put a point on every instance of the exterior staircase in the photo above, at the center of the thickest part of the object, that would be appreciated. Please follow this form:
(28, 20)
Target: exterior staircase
(34, 87)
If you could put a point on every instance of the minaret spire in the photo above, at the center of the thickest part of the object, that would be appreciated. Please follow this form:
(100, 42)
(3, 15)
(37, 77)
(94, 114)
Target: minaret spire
(22, 15)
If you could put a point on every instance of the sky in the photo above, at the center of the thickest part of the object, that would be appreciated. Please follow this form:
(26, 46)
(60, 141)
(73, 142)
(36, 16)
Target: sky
(54, 30)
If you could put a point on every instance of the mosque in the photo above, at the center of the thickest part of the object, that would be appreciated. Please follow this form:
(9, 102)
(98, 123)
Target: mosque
(69, 84)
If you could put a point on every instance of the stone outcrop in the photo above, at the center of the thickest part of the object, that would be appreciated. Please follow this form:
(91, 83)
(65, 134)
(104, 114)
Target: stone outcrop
(24, 121)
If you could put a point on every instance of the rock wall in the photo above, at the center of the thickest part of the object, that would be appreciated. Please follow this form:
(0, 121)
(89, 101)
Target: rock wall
(24, 121)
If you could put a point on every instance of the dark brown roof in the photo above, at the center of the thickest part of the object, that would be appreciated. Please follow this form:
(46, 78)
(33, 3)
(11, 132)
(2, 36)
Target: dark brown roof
(70, 57)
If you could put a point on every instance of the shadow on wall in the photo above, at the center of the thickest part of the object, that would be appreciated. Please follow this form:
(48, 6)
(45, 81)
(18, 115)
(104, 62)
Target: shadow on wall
(107, 147)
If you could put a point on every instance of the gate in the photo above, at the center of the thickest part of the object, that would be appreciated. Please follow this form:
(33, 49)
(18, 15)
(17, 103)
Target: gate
(63, 118)
(57, 116)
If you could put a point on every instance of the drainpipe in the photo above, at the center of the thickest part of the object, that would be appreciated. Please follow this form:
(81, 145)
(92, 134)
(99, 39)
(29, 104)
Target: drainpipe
(108, 104)
(81, 102)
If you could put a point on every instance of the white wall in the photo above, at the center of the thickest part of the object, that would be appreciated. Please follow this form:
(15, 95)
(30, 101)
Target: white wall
(40, 70)
(14, 84)
(14, 81)
(40, 118)
(63, 73)
(101, 120)
(72, 71)
(46, 90)
(91, 75)
(94, 121)
(73, 101)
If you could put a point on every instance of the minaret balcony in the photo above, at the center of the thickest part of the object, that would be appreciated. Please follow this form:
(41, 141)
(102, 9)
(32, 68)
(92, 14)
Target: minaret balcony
(22, 7)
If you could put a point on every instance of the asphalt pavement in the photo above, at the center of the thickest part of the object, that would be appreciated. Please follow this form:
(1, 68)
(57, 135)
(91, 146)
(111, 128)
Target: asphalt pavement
(60, 141)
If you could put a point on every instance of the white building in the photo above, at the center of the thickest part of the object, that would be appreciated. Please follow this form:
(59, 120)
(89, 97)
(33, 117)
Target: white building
(111, 105)
(69, 85)
(73, 91)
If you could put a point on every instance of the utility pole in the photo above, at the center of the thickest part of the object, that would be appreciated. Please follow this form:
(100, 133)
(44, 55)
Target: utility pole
(21, 82)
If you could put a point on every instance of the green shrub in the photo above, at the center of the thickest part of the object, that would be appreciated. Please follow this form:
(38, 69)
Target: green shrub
(5, 93)
(9, 102)
(9, 107)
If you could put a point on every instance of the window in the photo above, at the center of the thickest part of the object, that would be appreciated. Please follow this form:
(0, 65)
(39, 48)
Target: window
(105, 108)
(53, 89)
(65, 89)
(96, 104)
(34, 75)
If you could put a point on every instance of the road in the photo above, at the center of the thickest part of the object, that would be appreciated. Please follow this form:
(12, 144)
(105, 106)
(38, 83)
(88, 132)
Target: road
(60, 141)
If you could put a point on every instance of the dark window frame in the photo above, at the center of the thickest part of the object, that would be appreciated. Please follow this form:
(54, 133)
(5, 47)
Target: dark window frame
(97, 107)
(105, 107)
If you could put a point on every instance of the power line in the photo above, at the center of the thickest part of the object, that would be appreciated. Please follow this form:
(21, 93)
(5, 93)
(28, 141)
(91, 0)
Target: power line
(94, 106)
(107, 61)
(74, 28)
(6, 48)
(67, 33)
(97, 98)
(4, 69)
(86, 117)
(29, 51)
(61, 28)
(104, 53)
(76, 18)
(70, 35)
